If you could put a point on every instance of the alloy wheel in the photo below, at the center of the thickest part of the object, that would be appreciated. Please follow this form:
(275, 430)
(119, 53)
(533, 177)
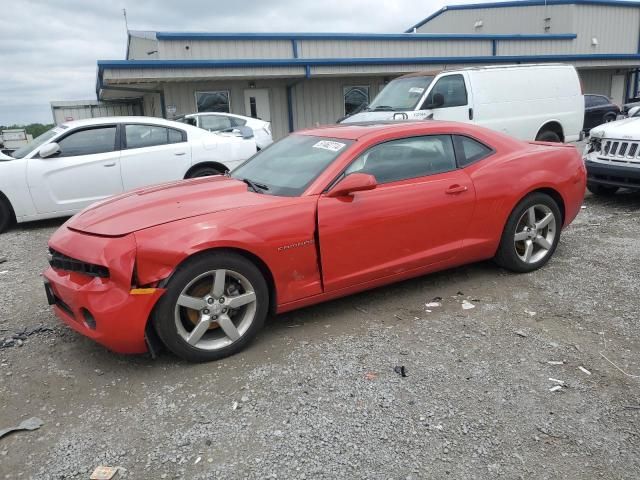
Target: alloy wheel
(215, 309)
(535, 233)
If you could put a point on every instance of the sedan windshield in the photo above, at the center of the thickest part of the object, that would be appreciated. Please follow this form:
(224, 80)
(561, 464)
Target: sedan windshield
(401, 94)
(289, 166)
(35, 143)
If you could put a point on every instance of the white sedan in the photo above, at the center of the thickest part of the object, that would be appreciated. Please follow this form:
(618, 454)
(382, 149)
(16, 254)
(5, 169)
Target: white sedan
(77, 163)
(222, 121)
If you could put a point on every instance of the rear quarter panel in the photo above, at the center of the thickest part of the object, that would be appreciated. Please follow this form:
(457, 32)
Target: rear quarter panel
(503, 180)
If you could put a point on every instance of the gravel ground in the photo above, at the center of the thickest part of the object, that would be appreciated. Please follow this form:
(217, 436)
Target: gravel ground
(316, 396)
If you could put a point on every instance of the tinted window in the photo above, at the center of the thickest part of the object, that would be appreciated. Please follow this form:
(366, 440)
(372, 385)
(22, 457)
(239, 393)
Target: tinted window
(600, 101)
(237, 122)
(470, 150)
(215, 123)
(451, 88)
(139, 136)
(589, 101)
(176, 136)
(355, 98)
(88, 142)
(407, 158)
(217, 101)
(289, 166)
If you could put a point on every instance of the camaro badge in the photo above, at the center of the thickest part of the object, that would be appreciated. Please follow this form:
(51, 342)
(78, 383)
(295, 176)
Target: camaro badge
(295, 245)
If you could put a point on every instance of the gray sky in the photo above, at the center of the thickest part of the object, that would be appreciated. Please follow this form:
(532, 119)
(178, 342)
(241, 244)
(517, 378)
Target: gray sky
(48, 50)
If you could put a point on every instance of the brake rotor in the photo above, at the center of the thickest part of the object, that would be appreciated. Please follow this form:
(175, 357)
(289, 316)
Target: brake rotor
(200, 290)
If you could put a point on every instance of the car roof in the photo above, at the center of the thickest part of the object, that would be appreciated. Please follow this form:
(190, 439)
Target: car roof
(88, 122)
(226, 114)
(360, 130)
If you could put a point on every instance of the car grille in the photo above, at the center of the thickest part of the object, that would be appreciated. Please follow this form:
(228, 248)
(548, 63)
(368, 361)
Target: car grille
(620, 151)
(60, 261)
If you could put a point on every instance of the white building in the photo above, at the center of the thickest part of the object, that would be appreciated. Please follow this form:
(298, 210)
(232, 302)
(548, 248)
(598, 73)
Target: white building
(297, 80)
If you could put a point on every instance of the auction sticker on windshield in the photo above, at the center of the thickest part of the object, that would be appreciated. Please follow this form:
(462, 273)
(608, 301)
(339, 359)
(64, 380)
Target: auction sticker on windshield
(416, 90)
(329, 145)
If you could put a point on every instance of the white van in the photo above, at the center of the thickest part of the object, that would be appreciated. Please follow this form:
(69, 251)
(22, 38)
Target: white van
(529, 102)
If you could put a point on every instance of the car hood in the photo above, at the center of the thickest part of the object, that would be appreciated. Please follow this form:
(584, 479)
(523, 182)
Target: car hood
(626, 129)
(148, 207)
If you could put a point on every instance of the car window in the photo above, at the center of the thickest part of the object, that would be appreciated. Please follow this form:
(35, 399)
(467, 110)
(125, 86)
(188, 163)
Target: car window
(176, 136)
(139, 136)
(470, 150)
(589, 101)
(215, 123)
(237, 122)
(602, 100)
(451, 88)
(88, 142)
(406, 158)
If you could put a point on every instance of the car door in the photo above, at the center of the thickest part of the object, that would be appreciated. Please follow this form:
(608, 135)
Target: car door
(153, 154)
(416, 216)
(592, 111)
(449, 99)
(86, 169)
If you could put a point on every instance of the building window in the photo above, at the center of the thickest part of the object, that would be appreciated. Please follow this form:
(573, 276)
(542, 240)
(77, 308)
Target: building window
(355, 97)
(217, 101)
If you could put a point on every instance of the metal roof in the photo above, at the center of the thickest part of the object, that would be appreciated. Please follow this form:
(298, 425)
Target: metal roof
(523, 3)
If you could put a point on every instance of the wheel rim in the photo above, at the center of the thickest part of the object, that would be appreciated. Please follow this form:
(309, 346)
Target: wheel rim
(215, 309)
(535, 234)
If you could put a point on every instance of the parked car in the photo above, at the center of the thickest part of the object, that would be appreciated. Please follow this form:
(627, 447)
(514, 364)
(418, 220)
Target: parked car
(599, 109)
(321, 214)
(220, 122)
(630, 103)
(612, 156)
(77, 163)
(529, 102)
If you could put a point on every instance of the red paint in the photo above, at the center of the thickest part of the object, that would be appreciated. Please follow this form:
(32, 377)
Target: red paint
(365, 239)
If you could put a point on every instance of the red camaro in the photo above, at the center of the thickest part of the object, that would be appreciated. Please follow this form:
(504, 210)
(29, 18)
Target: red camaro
(199, 264)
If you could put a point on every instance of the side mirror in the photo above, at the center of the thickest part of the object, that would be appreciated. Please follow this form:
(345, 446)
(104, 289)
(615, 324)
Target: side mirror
(356, 182)
(245, 132)
(49, 150)
(437, 101)
(633, 111)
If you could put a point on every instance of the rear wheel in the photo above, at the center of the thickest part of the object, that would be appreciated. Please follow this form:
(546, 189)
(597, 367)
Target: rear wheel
(5, 215)
(531, 235)
(214, 306)
(548, 136)
(203, 172)
(602, 190)
(610, 117)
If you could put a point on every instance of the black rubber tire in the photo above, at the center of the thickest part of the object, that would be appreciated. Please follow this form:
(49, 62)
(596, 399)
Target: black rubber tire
(6, 215)
(602, 190)
(548, 136)
(203, 172)
(164, 320)
(506, 256)
(610, 117)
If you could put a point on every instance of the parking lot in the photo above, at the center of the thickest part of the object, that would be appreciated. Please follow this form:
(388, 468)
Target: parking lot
(316, 396)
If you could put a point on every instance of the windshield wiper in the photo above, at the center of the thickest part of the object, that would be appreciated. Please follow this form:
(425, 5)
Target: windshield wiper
(256, 187)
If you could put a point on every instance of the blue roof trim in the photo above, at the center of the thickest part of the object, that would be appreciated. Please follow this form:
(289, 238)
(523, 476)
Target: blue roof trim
(523, 3)
(358, 36)
(319, 62)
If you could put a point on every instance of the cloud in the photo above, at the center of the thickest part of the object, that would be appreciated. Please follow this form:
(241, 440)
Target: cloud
(48, 50)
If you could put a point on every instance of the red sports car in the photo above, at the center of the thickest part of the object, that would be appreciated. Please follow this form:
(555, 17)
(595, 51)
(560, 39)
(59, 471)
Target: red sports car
(323, 213)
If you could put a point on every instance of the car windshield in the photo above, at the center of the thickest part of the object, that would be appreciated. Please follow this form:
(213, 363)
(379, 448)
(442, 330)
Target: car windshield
(401, 94)
(289, 166)
(36, 143)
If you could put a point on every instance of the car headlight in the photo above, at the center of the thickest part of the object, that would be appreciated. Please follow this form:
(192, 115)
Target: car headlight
(595, 145)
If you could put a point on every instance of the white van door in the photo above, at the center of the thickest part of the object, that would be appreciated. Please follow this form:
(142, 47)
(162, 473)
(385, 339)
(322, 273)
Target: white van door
(450, 99)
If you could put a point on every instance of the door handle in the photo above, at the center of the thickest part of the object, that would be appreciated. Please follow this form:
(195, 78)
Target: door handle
(180, 153)
(454, 189)
(112, 164)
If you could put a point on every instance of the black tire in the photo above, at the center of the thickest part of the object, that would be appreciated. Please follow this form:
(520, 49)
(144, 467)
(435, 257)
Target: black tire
(6, 215)
(610, 117)
(203, 172)
(602, 190)
(164, 317)
(548, 136)
(507, 255)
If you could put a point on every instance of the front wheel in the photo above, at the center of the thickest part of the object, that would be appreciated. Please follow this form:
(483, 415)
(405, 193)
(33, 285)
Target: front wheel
(602, 190)
(214, 306)
(5, 215)
(548, 136)
(203, 172)
(531, 234)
